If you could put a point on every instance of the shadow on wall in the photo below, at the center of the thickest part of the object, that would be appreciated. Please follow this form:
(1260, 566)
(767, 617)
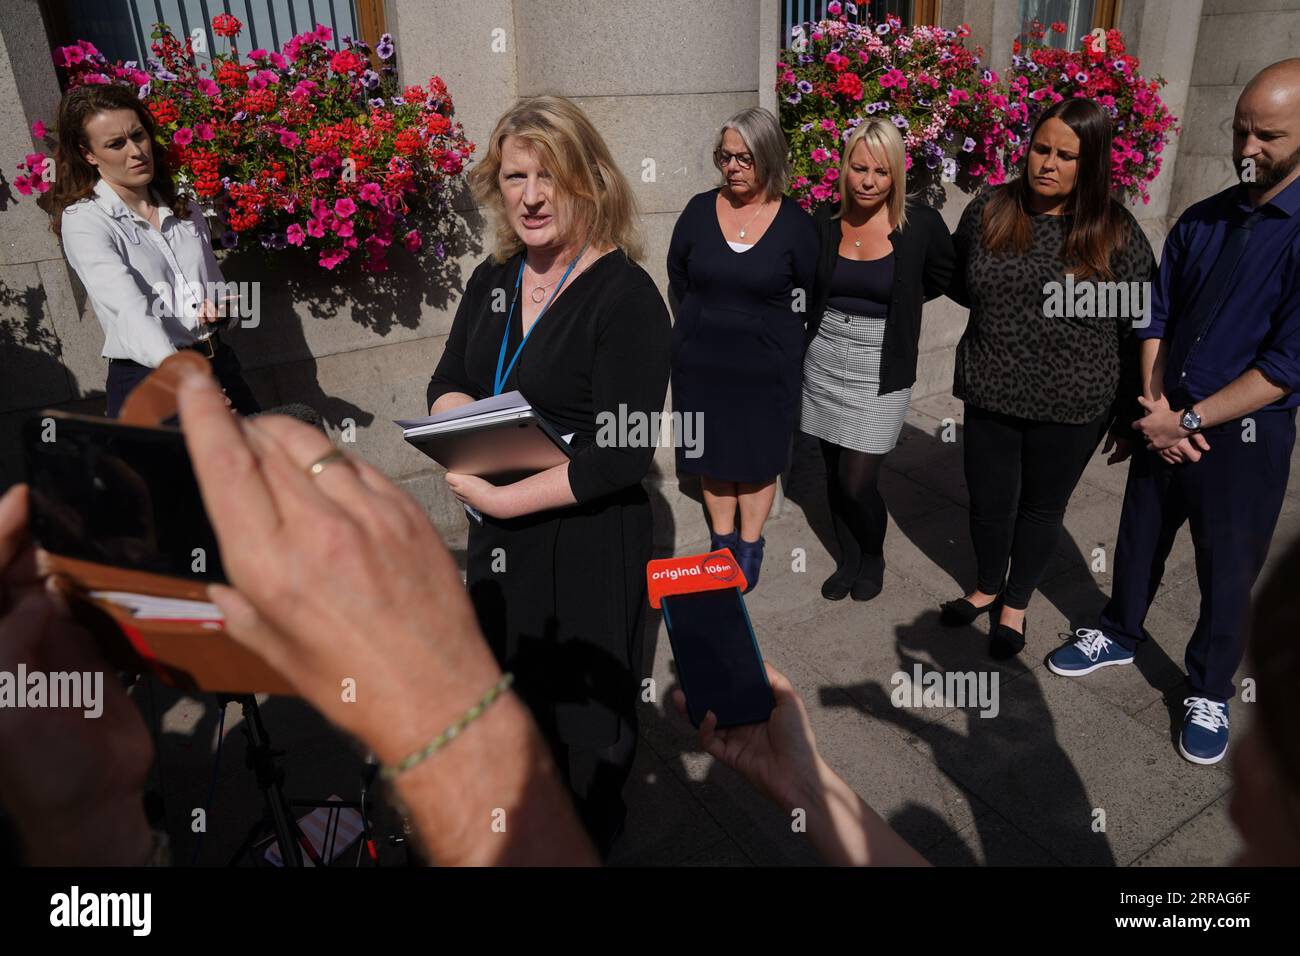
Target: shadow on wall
(32, 373)
(294, 287)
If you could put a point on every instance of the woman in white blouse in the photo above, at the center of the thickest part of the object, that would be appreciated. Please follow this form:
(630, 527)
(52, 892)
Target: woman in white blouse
(150, 273)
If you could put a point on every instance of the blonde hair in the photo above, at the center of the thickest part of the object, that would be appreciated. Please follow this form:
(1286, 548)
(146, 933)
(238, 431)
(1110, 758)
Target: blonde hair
(594, 201)
(762, 134)
(885, 142)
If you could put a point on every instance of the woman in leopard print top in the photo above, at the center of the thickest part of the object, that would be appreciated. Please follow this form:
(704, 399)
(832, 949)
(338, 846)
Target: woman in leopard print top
(1047, 361)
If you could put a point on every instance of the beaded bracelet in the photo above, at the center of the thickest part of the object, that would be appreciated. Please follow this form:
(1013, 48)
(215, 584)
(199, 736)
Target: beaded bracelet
(444, 738)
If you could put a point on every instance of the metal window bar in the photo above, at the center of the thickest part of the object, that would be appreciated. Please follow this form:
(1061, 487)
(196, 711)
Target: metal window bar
(121, 28)
(797, 12)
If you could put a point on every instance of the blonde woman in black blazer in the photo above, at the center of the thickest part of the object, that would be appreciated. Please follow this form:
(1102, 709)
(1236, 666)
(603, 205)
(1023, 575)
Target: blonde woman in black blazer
(882, 257)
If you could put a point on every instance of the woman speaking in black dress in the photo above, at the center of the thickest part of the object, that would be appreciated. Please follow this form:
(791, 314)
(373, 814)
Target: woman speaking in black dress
(741, 266)
(562, 313)
(882, 257)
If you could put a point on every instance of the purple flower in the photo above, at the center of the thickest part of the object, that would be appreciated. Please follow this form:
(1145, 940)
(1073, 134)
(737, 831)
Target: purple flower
(922, 101)
(882, 28)
(805, 58)
(385, 49)
(439, 250)
(901, 121)
(968, 145)
(1081, 77)
(793, 99)
(399, 101)
(950, 168)
(376, 104)
(229, 239)
(370, 79)
(872, 107)
(241, 115)
(166, 75)
(805, 87)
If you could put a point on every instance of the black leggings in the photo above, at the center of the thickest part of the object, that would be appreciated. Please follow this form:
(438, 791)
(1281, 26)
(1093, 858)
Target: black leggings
(857, 510)
(1020, 474)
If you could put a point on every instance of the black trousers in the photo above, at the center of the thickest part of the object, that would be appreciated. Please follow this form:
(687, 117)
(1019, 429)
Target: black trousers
(1231, 498)
(1020, 474)
(124, 375)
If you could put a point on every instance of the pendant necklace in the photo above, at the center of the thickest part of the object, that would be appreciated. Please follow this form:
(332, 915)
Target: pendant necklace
(751, 220)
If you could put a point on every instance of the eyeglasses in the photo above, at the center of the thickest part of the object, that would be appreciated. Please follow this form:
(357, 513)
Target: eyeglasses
(722, 158)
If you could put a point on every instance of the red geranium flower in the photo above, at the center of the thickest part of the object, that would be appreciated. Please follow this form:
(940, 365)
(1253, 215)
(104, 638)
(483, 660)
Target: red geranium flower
(224, 25)
(850, 85)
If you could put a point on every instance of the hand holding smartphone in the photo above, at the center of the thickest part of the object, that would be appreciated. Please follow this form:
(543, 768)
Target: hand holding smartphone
(717, 655)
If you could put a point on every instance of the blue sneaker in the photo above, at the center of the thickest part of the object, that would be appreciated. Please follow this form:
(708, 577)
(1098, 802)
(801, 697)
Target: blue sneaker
(1092, 650)
(1204, 738)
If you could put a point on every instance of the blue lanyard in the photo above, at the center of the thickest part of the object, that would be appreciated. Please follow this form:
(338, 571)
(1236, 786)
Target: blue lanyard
(500, 381)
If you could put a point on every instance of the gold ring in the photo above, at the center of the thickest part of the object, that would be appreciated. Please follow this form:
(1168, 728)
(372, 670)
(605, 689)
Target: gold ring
(320, 464)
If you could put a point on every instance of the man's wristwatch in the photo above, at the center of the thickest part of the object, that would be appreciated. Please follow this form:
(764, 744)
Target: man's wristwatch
(1190, 420)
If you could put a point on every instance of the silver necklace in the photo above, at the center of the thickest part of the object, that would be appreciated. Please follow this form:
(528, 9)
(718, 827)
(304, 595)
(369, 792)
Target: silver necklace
(751, 219)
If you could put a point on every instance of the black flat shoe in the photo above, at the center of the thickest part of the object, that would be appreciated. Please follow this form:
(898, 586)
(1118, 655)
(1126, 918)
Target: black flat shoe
(870, 580)
(836, 587)
(1006, 642)
(961, 612)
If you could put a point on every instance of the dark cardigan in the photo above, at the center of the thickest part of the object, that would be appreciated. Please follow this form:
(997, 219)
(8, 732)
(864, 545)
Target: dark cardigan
(923, 264)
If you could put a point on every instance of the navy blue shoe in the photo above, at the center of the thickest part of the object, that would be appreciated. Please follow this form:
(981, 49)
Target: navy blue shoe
(749, 555)
(1204, 739)
(719, 541)
(1092, 650)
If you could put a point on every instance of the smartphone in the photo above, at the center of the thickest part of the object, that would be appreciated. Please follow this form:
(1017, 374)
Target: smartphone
(119, 495)
(717, 656)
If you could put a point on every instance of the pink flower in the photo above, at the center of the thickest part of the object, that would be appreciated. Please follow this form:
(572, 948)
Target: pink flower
(278, 61)
(315, 228)
(343, 227)
(258, 54)
(894, 78)
(322, 34)
(183, 136)
(294, 235)
(38, 129)
(821, 192)
(371, 193)
(23, 185)
(344, 207)
(319, 209)
(819, 155)
(290, 139)
(204, 131)
(208, 87)
(330, 258)
(413, 241)
(302, 92)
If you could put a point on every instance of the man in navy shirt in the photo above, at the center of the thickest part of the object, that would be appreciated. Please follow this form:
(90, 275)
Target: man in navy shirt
(1221, 382)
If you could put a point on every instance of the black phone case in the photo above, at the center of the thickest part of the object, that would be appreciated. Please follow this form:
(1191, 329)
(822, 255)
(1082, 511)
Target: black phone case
(696, 711)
